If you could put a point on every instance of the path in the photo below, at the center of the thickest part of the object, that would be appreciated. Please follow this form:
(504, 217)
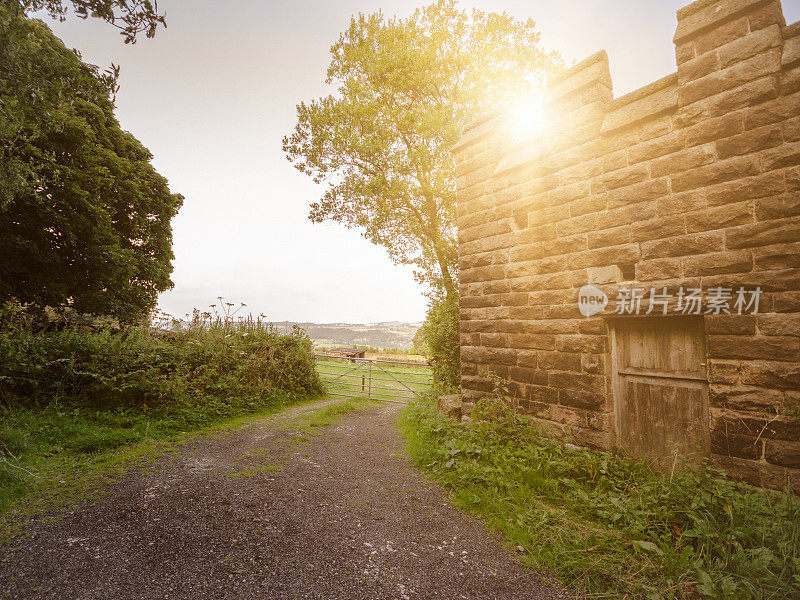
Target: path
(342, 516)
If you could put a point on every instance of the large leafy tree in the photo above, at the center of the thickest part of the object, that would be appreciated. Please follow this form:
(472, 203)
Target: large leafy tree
(84, 216)
(404, 90)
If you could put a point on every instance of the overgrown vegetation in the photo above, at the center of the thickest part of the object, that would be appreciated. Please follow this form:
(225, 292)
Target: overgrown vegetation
(67, 394)
(439, 338)
(607, 526)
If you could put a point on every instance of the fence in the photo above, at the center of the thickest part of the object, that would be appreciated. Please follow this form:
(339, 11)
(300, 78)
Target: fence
(379, 379)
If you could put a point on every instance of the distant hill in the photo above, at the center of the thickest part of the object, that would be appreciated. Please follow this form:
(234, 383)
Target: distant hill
(390, 334)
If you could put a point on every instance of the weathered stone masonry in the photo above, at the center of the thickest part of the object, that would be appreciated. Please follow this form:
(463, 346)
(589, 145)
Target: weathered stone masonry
(690, 181)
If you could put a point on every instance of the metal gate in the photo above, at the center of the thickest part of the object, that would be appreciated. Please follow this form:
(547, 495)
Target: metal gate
(380, 379)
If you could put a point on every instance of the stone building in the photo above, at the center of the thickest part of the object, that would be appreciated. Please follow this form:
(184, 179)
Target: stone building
(680, 204)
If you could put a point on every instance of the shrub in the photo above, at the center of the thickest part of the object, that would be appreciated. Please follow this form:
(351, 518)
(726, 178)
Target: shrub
(146, 369)
(440, 339)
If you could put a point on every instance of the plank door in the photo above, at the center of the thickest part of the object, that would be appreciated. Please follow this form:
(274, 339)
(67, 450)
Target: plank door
(661, 387)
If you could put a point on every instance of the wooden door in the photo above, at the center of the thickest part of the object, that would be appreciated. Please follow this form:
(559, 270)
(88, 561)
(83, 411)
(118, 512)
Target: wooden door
(661, 387)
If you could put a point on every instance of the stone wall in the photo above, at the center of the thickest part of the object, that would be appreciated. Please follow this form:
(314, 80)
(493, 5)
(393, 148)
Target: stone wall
(692, 181)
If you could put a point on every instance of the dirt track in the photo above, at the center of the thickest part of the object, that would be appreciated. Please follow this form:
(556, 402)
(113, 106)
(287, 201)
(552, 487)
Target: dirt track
(263, 514)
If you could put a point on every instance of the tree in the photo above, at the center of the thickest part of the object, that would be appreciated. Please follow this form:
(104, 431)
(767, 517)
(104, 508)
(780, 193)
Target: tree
(131, 17)
(382, 143)
(84, 216)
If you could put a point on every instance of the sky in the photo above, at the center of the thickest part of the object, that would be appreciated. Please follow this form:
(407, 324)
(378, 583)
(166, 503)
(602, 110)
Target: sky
(213, 95)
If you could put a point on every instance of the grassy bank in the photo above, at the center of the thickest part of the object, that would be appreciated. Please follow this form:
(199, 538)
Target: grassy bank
(78, 405)
(606, 526)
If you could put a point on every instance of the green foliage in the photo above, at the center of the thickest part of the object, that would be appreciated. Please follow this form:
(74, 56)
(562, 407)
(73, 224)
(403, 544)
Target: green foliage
(139, 369)
(606, 525)
(131, 17)
(84, 217)
(440, 338)
(406, 88)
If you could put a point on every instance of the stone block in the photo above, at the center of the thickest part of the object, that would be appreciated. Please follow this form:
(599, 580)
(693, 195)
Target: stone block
(728, 79)
(624, 177)
(683, 160)
(659, 269)
(638, 193)
(532, 341)
(593, 363)
(660, 227)
(609, 237)
(698, 67)
(727, 372)
(577, 381)
(767, 426)
(757, 474)
(779, 324)
(587, 205)
(748, 188)
(749, 399)
(759, 347)
(774, 111)
(595, 344)
(726, 324)
(527, 375)
(718, 262)
(774, 375)
(767, 209)
(684, 245)
(451, 405)
(581, 399)
(745, 96)
(779, 256)
(718, 172)
(786, 155)
(657, 147)
(604, 275)
(785, 454)
(681, 203)
(740, 446)
(601, 257)
(561, 361)
(753, 140)
(763, 233)
(710, 130)
(757, 42)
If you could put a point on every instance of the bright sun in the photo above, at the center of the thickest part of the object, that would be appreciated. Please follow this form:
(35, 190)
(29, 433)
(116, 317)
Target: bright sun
(527, 119)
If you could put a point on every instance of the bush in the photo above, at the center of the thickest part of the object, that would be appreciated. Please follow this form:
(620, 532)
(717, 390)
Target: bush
(150, 370)
(440, 339)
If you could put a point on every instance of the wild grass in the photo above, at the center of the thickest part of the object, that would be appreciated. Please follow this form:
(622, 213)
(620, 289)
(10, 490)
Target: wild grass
(606, 526)
(328, 415)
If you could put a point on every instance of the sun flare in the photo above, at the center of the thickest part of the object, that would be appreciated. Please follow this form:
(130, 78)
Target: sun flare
(527, 119)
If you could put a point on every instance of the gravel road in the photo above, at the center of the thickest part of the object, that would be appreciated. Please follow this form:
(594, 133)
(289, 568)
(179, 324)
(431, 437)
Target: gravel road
(271, 512)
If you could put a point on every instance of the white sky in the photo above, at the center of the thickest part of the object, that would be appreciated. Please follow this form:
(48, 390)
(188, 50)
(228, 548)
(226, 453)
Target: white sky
(212, 96)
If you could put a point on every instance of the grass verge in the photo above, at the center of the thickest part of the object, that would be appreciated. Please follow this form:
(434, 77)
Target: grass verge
(606, 526)
(328, 415)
